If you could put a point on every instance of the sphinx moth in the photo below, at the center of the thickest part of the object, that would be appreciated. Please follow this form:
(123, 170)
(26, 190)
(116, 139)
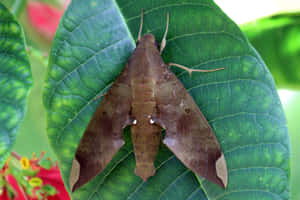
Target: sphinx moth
(147, 96)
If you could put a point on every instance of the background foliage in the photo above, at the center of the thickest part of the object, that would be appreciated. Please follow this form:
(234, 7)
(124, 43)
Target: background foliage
(15, 80)
(277, 39)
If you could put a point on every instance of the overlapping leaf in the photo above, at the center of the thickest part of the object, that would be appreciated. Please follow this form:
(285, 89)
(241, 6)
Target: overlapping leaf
(92, 45)
(277, 39)
(15, 81)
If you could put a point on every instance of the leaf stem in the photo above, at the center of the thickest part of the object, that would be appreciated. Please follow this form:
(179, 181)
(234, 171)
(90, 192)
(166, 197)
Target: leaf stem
(38, 54)
(18, 6)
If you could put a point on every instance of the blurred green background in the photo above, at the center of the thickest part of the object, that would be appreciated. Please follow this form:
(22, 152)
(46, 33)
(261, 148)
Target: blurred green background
(292, 110)
(275, 36)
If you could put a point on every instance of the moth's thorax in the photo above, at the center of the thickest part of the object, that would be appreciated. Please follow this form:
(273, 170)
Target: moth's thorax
(143, 68)
(145, 59)
(148, 41)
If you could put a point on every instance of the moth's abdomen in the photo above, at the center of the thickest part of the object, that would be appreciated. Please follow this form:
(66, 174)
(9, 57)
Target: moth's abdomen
(145, 135)
(146, 140)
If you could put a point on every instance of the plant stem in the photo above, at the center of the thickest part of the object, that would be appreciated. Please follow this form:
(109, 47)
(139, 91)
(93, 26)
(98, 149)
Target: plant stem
(38, 54)
(17, 156)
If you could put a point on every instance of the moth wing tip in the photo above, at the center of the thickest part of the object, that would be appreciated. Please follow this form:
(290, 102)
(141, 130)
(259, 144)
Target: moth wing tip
(74, 175)
(221, 169)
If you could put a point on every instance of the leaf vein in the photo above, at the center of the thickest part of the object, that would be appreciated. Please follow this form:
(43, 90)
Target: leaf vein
(58, 136)
(109, 172)
(173, 182)
(248, 190)
(80, 65)
(170, 6)
(140, 185)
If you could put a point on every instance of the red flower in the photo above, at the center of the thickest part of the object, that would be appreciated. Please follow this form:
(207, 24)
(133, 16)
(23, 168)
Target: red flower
(44, 18)
(19, 193)
(42, 179)
(53, 177)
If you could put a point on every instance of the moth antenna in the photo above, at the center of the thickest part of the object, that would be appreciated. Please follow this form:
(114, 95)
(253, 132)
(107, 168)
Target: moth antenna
(164, 40)
(189, 70)
(141, 26)
(98, 97)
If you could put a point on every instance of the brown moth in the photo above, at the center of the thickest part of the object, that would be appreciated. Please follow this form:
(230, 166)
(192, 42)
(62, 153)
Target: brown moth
(147, 96)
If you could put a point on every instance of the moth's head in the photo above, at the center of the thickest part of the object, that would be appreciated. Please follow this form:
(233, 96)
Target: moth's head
(148, 41)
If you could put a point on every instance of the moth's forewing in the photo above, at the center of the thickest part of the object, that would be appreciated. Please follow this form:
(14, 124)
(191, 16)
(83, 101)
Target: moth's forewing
(188, 134)
(103, 136)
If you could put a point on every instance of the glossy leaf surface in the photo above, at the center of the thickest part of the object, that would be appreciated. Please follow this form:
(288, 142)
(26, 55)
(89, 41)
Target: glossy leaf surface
(241, 104)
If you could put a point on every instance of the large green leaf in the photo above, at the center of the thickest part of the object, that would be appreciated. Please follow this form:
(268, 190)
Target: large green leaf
(277, 39)
(90, 48)
(15, 81)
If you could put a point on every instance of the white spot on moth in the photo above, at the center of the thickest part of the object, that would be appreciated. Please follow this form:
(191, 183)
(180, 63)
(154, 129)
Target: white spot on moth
(169, 141)
(174, 93)
(181, 104)
(151, 121)
(135, 122)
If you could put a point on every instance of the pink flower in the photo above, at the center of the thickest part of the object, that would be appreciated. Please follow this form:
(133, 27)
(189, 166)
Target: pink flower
(44, 18)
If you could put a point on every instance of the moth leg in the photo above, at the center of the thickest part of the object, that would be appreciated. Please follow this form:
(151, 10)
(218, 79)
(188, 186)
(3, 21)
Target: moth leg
(164, 40)
(141, 26)
(98, 97)
(189, 70)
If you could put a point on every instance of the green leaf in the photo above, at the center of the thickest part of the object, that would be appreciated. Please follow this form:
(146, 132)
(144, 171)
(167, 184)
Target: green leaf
(91, 47)
(277, 39)
(15, 81)
(15, 6)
